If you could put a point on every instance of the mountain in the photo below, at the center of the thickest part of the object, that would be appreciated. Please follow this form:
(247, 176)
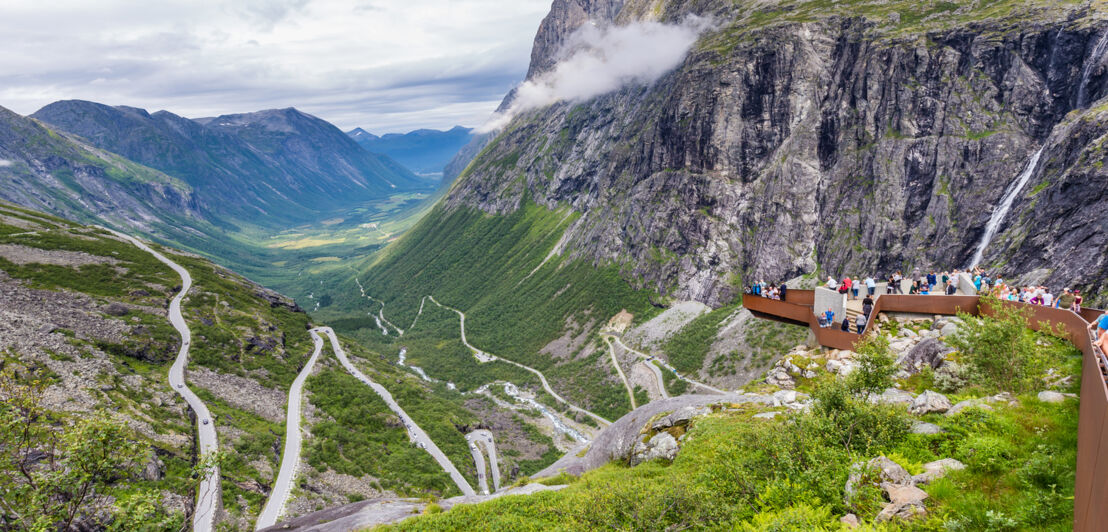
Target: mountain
(48, 170)
(790, 141)
(423, 151)
(272, 168)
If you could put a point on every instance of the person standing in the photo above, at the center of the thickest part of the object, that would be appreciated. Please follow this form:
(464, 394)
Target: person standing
(855, 286)
(867, 306)
(1077, 300)
(871, 286)
(897, 277)
(951, 288)
(845, 327)
(1065, 301)
(784, 290)
(860, 323)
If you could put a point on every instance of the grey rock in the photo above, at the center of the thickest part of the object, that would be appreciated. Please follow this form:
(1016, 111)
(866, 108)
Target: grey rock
(850, 521)
(921, 427)
(928, 402)
(681, 416)
(937, 469)
(892, 396)
(968, 403)
(888, 473)
(1048, 396)
(928, 353)
(662, 445)
(116, 309)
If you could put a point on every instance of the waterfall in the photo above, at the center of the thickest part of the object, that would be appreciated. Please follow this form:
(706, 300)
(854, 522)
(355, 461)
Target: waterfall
(1001, 211)
(1094, 60)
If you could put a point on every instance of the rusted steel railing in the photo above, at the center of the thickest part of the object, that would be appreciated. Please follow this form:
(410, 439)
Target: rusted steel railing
(1090, 509)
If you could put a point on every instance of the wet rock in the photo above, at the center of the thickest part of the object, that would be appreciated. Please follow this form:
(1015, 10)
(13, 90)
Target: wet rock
(116, 309)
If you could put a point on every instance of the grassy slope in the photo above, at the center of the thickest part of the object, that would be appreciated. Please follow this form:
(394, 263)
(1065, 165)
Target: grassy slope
(488, 266)
(736, 472)
(224, 313)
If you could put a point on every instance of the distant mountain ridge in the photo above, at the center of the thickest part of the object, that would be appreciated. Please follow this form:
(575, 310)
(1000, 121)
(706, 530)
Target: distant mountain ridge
(42, 169)
(272, 167)
(424, 151)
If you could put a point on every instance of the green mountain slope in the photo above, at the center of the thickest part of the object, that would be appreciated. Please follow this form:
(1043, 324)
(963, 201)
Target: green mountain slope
(276, 167)
(85, 314)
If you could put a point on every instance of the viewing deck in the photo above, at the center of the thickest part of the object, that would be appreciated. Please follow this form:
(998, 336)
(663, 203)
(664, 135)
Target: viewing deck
(1091, 488)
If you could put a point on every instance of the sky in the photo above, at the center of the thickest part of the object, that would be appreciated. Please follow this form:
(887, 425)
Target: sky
(383, 65)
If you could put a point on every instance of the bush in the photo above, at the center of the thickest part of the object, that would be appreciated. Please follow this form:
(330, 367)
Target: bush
(999, 351)
(876, 367)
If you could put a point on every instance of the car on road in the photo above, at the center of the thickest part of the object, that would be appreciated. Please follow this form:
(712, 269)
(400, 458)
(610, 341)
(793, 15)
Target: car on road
(180, 385)
(205, 421)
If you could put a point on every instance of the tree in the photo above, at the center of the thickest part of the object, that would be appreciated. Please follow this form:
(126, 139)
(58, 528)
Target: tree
(56, 472)
(999, 351)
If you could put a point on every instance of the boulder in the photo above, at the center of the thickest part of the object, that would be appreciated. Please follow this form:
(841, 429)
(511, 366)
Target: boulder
(116, 309)
(968, 403)
(766, 415)
(908, 333)
(850, 521)
(1048, 396)
(937, 469)
(662, 445)
(901, 512)
(949, 329)
(905, 494)
(921, 427)
(888, 473)
(784, 396)
(928, 353)
(892, 396)
(681, 416)
(928, 402)
(833, 366)
(780, 377)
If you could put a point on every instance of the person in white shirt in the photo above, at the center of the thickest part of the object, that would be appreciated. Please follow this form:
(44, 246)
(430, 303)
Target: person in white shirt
(871, 285)
(1048, 298)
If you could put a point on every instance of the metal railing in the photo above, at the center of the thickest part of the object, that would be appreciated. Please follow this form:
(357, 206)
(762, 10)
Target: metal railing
(1091, 488)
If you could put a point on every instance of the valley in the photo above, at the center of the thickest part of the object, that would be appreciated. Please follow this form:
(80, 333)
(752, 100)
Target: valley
(601, 308)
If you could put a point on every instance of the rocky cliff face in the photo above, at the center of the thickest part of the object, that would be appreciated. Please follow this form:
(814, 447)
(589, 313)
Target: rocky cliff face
(852, 142)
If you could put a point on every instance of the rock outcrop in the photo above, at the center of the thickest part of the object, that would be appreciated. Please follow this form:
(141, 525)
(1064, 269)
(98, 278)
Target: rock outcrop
(847, 139)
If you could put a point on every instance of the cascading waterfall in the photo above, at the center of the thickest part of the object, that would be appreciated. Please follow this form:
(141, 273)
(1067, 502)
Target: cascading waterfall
(1094, 60)
(1001, 211)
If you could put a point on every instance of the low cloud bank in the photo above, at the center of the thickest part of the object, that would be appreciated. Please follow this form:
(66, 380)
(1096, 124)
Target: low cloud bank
(5, 162)
(598, 60)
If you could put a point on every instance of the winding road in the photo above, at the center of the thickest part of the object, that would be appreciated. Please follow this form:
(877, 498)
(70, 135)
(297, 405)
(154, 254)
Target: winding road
(669, 367)
(290, 459)
(480, 442)
(483, 356)
(417, 435)
(615, 362)
(207, 500)
(380, 317)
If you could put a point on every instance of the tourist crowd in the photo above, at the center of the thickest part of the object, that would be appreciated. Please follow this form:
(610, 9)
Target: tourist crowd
(920, 283)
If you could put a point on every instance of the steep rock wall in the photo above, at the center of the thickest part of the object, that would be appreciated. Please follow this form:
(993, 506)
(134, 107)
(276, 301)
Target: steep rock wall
(823, 144)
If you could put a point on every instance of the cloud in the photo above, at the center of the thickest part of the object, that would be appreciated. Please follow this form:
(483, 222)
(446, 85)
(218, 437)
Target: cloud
(5, 162)
(384, 66)
(598, 60)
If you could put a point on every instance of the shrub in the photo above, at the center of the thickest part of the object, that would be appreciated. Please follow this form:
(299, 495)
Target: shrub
(876, 367)
(999, 351)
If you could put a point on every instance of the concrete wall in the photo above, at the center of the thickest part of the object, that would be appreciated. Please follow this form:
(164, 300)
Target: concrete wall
(829, 298)
(965, 284)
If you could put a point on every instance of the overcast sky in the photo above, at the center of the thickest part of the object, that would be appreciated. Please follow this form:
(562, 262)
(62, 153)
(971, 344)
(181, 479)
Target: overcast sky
(384, 65)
